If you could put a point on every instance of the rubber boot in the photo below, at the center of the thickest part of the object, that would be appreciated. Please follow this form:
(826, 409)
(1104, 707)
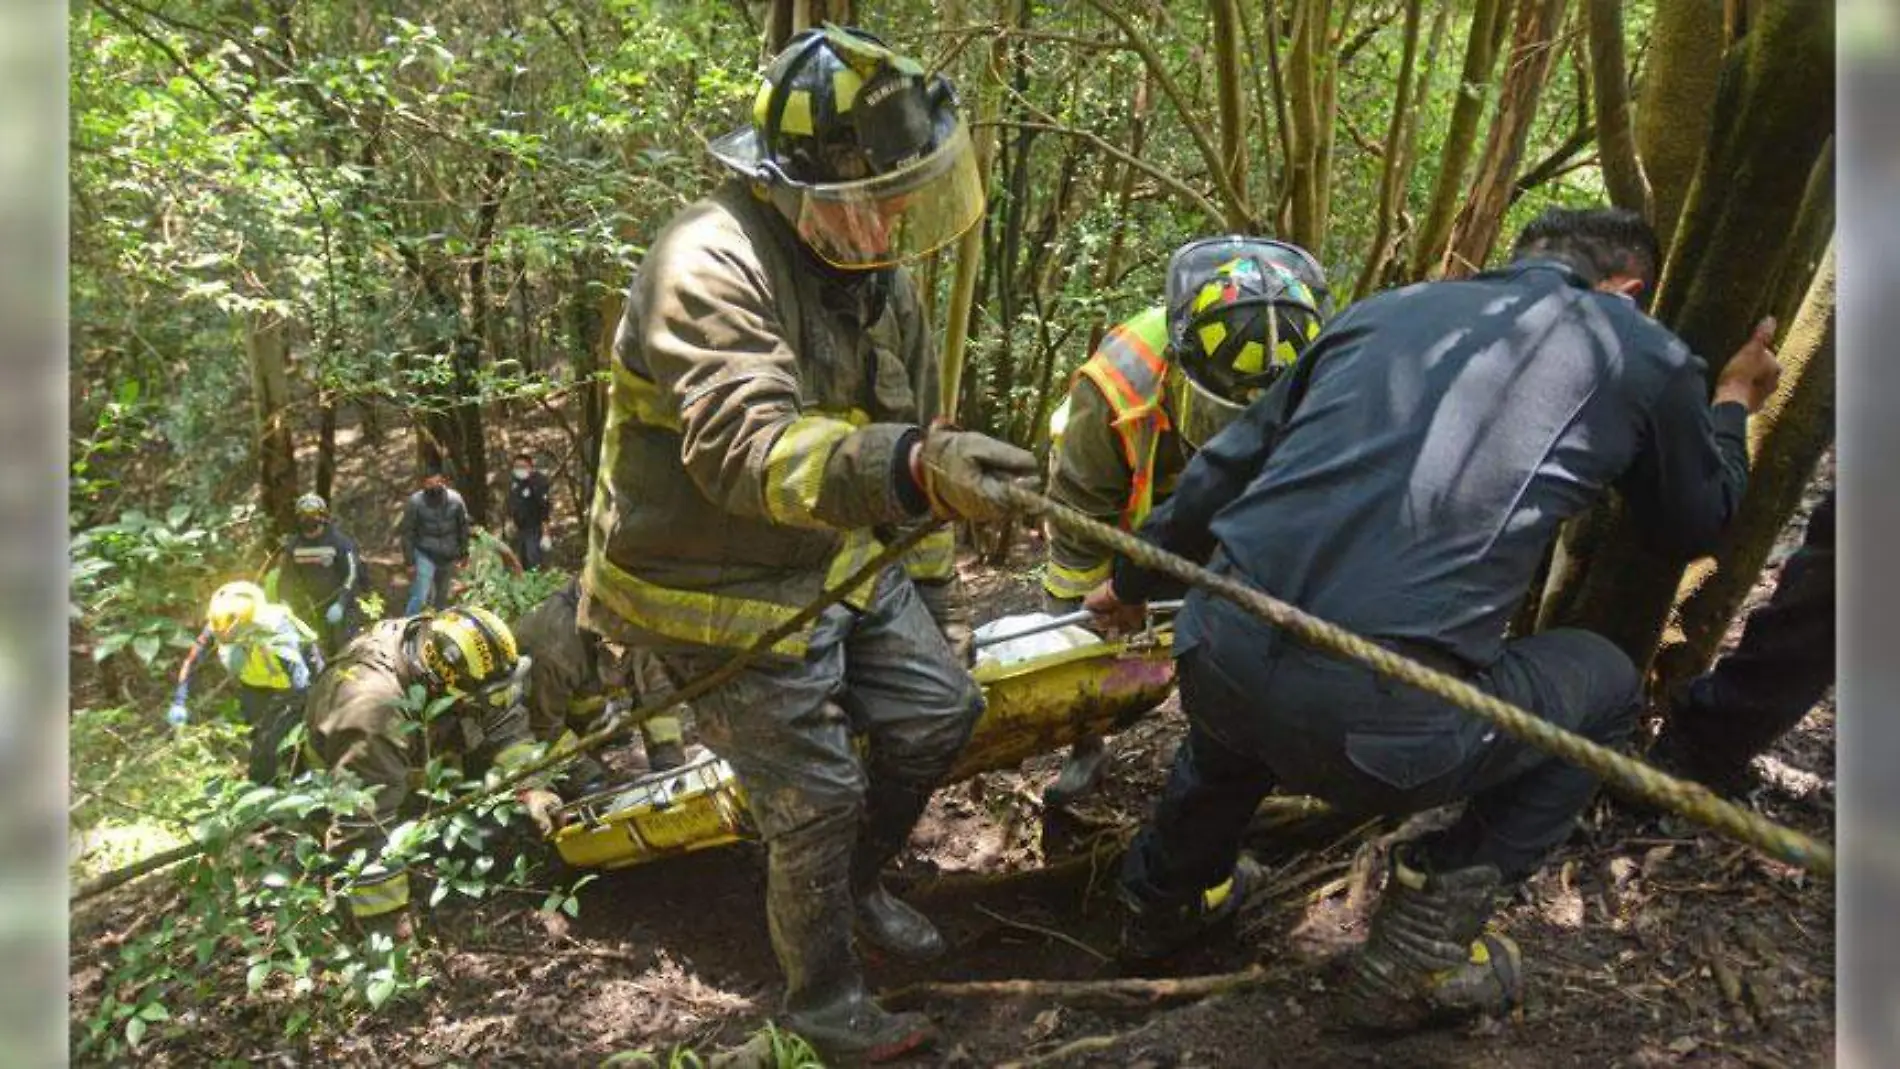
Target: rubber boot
(1080, 774)
(665, 743)
(1429, 959)
(884, 920)
(583, 776)
(1153, 931)
(809, 907)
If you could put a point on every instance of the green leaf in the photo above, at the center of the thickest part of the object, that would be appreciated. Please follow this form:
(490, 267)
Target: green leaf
(379, 991)
(147, 646)
(254, 978)
(135, 1030)
(154, 1011)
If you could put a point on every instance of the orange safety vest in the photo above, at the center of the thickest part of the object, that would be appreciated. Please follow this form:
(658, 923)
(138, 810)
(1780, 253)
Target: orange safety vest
(1130, 370)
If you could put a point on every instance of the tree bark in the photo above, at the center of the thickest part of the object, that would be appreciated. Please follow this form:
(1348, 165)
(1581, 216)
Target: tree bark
(1306, 106)
(1460, 136)
(1674, 100)
(1786, 439)
(969, 263)
(1397, 169)
(1616, 140)
(1772, 118)
(1478, 223)
(1230, 86)
(326, 444)
(268, 347)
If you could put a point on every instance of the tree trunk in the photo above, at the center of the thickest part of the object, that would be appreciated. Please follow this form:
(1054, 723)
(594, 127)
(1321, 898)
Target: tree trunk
(268, 346)
(1230, 90)
(1786, 438)
(1476, 229)
(1124, 191)
(1771, 120)
(1306, 107)
(1674, 101)
(326, 445)
(969, 262)
(1460, 137)
(1616, 141)
(1392, 179)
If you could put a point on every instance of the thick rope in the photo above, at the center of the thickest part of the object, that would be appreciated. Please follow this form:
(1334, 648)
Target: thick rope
(1682, 797)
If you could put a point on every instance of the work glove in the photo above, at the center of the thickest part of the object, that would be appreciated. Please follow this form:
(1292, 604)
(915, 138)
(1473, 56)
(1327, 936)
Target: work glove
(334, 614)
(959, 472)
(177, 715)
(952, 614)
(543, 807)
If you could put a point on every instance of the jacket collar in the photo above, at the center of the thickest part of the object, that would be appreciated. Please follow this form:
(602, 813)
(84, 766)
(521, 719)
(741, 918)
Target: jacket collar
(1537, 265)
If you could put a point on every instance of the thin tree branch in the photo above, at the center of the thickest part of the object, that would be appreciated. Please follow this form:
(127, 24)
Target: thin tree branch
(1180, 188)
(1238, 213)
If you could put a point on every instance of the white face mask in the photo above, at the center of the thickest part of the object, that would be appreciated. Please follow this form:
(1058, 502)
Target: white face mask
(521, 473)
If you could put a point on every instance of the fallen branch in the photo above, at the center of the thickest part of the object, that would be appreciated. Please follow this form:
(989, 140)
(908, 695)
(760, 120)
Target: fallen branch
(1108, 994)
(1040, 930)
(99, 885)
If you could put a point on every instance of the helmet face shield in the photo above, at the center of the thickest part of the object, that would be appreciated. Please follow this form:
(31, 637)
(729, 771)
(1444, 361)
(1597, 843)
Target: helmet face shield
(1199, 413)
(891, 218)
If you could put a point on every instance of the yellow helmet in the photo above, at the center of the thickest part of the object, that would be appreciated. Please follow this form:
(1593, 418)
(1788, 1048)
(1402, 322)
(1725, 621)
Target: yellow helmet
(468, 651)
(233, 606)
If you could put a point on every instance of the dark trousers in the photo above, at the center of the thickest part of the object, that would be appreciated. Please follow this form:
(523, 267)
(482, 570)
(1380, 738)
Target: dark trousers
(1371, 746)
(1783, 665)
(271, 714)
(527, 543)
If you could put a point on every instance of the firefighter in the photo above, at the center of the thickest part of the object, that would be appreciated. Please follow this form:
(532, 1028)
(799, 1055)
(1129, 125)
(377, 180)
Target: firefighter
(771, 420)
(1237, 312)
(1404, 481)
(357, 720)
(269, 652)
(324, 574)
(568, 663)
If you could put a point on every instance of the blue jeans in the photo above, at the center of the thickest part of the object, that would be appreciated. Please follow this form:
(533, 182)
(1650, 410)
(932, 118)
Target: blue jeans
(430, 588)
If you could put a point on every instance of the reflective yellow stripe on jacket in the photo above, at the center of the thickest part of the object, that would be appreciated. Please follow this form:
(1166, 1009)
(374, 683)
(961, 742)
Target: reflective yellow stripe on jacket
(934, 560)
(1065, 582)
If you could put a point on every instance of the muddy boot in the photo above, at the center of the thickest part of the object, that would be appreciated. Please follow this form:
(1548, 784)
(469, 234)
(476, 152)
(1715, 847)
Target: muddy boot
(884, 920)
(666, 756)
(1080, 774)
(581, 777)
(1154, 931)
(665, 742)
(809, 907)
(1429, 959)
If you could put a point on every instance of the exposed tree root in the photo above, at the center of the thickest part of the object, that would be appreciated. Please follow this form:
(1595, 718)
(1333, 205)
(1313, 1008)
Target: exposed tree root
(1100, 994)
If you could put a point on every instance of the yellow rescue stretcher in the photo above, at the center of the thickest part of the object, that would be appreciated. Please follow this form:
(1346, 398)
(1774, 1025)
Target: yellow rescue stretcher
(1034, 704)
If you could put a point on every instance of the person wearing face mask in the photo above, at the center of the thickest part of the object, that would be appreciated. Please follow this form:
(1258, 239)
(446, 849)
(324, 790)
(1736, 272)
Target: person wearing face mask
(1237, 312)
(528, 511)
(323, 574)
(435, 536)
(360, 718)
(1404, 481)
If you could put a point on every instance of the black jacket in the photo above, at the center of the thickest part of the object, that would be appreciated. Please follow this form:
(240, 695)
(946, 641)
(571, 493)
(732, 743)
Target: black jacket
(528, 499)
(438, 528)
(323, 569)
(1405, 478)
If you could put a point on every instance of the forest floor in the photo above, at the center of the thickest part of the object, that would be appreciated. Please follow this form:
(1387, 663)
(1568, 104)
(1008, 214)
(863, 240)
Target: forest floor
(1645, 944)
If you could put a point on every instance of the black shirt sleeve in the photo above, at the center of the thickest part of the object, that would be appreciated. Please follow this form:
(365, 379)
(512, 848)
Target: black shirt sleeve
(1687, 480)
(1214, 476)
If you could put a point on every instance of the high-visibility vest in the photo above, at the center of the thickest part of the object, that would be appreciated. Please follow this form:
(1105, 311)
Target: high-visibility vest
(1131, 371)
(262, 658)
